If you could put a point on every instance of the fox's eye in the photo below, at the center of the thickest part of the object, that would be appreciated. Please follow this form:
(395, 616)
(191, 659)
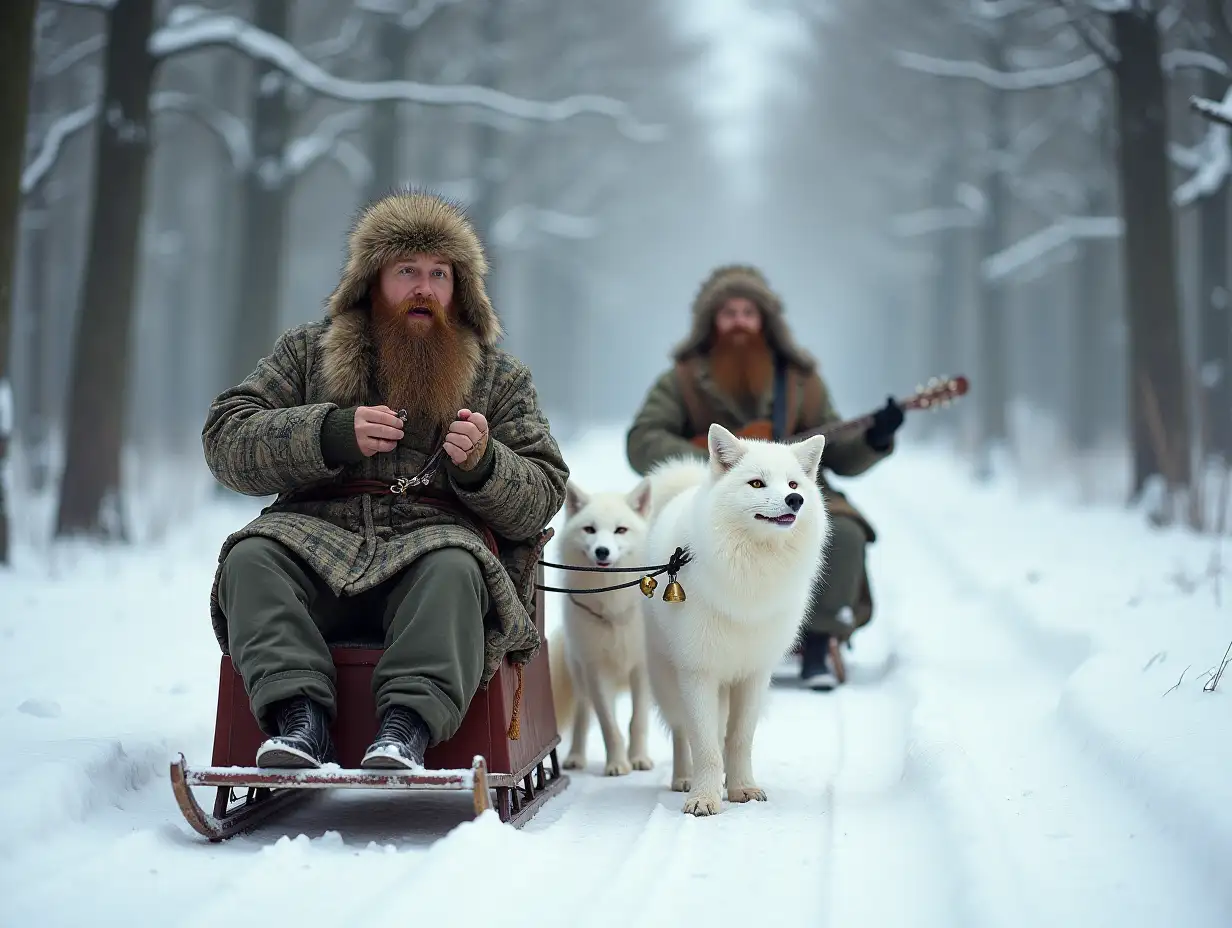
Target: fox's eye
(756, 484)
(620, 530)
(792, 484)
(589, 530)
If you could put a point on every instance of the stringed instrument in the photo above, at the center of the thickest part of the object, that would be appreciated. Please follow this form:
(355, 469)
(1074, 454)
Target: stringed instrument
(936, 393)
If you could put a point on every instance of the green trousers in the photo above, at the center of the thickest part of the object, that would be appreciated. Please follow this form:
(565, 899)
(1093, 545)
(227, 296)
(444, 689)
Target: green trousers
(840, 582)
(281, 617)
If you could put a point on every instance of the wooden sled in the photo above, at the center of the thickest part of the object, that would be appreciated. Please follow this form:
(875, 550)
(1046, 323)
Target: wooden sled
(516, 777)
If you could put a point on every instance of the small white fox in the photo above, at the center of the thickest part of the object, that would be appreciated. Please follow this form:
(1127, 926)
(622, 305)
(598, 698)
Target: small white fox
(756, 525)
(599, 651)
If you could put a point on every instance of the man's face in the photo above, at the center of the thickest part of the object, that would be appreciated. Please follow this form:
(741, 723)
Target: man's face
(412, 285)
(737, 320)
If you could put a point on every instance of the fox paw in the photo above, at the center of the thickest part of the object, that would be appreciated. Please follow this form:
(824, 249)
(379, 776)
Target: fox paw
(641, 762)
(746, 794)
(703, 804)
(617, 768)
(682, 785)
(574, 762)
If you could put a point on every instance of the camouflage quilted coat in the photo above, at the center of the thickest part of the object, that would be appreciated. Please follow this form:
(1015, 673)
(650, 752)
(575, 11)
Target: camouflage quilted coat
(263, 437)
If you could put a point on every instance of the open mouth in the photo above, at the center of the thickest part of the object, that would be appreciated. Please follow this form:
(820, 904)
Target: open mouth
(420, 311)
(603, 563)
(787, 518)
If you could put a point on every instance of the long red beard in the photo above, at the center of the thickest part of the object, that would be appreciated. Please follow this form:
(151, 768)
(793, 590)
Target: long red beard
(426, 370)
(742, 364)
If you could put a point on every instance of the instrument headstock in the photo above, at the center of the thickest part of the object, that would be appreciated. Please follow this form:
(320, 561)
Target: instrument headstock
(937, 392)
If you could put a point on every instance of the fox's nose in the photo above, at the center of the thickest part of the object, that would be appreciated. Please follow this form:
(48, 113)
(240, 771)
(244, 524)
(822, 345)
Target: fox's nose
(794, 501)
(602, 553)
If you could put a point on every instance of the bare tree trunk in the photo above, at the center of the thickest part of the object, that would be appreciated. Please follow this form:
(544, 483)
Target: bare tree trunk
(943, 334)
(263, 220)
(992, 396)
(1087, 381)
(393, 47)
(1215, 325)
(1156, 372)
(98, 393)
(16, 61)
(489, 171)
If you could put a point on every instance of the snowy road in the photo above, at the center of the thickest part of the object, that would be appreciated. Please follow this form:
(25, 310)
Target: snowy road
(957, 780)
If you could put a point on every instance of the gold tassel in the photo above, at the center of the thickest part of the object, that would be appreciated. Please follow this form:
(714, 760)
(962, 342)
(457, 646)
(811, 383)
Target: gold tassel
(515, 722)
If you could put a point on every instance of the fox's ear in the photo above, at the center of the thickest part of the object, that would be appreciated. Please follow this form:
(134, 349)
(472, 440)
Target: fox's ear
(575, 498)
(808, 453)
(639, 497)
(726, 449)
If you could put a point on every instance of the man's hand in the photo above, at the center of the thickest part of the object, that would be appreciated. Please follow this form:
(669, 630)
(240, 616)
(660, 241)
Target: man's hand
(466, 439)
(886, 421)
(377, 428)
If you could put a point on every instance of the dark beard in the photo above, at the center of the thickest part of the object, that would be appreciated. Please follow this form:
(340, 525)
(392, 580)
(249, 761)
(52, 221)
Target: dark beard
(426, 372)
(742, 365)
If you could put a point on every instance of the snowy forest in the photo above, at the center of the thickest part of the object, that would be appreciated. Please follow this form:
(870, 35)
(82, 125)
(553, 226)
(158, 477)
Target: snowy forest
(1028, 192)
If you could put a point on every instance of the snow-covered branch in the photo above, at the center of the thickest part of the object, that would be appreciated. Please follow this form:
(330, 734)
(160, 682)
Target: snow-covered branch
(352, 159)
(1095, 40)
(1216, 112)
(79, 52)
(301, 154)
(306, 151)
(63, 129)
(220, 30)
(934, 219)
(230, 129)
(415, 17)
(96, 4)
(999, 9)
(1029, 79)
(337, 45)
(1213, 161)
(1023, 253)
(508, 230)
(1180, 58)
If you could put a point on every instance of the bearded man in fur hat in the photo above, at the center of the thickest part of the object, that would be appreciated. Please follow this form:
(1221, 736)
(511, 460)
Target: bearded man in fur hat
(736, 362)
(415, 474)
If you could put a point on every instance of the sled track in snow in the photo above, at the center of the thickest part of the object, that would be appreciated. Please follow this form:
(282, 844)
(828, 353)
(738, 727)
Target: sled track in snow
(1046, 829)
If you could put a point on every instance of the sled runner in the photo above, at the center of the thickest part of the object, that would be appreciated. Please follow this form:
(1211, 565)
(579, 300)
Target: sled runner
(505, 753)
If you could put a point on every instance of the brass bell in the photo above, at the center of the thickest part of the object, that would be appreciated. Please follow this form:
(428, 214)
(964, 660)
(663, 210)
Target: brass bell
(648, 586)
(674, 593)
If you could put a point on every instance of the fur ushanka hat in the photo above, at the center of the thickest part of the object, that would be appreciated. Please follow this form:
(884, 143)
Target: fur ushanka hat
(747, 281)
(399, 225)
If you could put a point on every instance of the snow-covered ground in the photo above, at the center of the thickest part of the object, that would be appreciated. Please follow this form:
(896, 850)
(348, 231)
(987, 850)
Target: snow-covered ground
(1026, 740)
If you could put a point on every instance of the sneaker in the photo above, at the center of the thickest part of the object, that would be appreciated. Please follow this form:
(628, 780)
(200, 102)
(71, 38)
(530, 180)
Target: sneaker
(401, 742)
(303, 739)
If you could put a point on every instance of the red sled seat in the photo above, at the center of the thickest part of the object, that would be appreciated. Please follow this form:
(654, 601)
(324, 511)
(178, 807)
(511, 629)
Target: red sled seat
(520, 762)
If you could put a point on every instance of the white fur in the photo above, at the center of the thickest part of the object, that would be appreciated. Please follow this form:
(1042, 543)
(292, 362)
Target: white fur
(747, 588)
(594, 659)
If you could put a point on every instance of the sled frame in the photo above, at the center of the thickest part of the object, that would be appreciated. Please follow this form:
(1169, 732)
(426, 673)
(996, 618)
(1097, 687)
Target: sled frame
(249, 796)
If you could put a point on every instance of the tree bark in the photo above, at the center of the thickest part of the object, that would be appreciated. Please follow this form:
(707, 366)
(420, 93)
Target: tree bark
(90, 502)
(991, 377)
(1215, 321)
(393, 46)
(263, 220)
(16, 61)
(1156, 378)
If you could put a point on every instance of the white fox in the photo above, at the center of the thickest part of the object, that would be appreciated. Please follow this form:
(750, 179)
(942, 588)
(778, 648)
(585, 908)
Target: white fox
(755, 522)
(600, 651)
